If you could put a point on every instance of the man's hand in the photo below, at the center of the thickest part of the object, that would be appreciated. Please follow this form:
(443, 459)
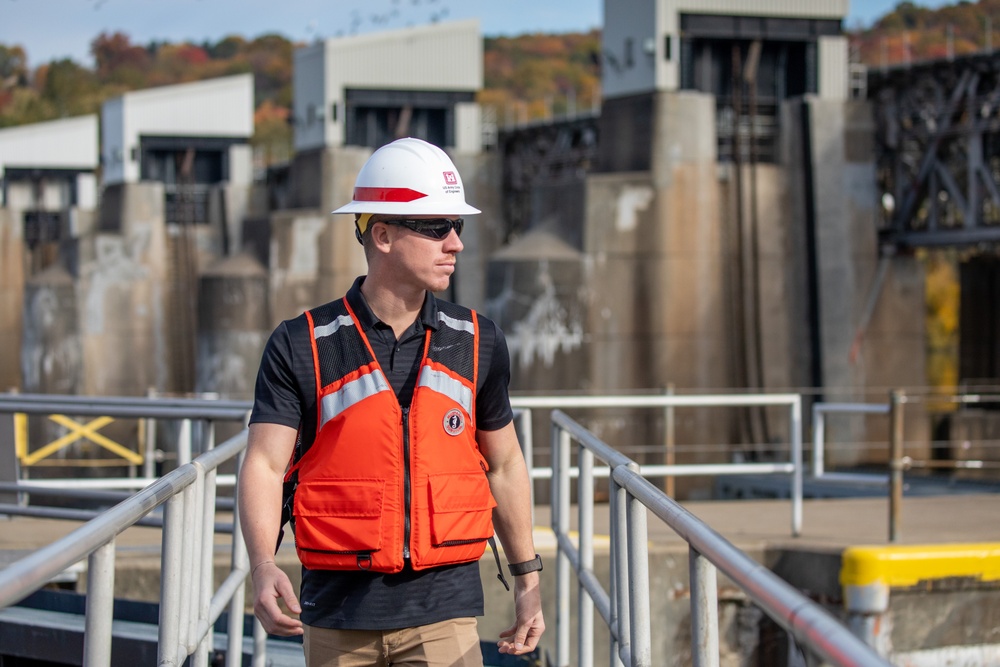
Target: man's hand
(523, 636)
(270, 584)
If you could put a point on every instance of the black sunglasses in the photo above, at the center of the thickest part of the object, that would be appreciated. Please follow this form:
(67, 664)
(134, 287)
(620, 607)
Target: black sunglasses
(435, 228)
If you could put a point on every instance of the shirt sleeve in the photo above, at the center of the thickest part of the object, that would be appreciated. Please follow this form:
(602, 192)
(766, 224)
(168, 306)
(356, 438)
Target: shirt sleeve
(493, 410)
(278, 397)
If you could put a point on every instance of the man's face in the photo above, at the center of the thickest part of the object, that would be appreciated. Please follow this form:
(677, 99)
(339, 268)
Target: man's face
(415, 258)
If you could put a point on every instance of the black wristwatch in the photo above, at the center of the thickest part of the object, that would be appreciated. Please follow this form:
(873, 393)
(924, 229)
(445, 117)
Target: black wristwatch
(533, 565)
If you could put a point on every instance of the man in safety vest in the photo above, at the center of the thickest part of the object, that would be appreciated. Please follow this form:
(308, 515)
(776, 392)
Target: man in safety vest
(387, 413)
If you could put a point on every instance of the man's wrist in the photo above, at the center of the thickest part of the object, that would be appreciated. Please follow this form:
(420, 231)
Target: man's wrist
(526, 567)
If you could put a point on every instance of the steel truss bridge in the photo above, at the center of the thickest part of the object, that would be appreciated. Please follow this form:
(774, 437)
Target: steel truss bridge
(938, 151)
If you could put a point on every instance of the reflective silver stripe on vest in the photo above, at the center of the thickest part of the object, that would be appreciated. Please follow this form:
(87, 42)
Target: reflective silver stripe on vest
(458, 325)
(443, 383)
(331, 328)
(351, 393)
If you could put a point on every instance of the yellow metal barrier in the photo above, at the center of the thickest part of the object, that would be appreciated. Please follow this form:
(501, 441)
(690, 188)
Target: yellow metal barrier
(903, 566)
(77, 431)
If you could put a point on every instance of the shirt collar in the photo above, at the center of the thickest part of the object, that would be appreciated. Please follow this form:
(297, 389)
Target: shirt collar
(359, 304)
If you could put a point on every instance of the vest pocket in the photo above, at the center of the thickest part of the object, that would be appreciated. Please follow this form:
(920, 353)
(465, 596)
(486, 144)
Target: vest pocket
(341, 516)
(461, 509)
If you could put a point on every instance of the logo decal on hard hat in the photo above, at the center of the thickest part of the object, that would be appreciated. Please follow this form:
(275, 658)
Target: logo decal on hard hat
(454, 422)
(450, 178)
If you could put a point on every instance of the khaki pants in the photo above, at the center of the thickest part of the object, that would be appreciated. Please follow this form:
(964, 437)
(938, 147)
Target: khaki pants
(453, 643)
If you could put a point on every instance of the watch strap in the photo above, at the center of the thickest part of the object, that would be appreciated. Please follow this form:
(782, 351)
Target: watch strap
(533, 565)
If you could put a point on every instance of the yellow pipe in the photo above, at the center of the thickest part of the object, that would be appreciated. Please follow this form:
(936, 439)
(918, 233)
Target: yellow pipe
(903, 566)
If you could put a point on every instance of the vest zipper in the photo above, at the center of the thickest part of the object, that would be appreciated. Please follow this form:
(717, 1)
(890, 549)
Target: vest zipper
(406, 483)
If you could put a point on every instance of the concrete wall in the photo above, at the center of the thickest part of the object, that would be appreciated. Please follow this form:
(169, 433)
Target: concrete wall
(12, 263)
(122, 285)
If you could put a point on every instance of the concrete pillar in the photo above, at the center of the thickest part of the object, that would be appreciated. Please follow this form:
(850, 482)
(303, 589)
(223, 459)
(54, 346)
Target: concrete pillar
(861, 358)
(130, 339)
(11, 298)
(233, 326)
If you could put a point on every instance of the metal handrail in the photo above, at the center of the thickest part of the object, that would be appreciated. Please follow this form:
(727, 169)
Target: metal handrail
(626, 608)
(523, 406)
(188, 610)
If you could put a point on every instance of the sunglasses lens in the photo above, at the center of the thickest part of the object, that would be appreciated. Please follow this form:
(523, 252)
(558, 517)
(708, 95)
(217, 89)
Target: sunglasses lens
(438, 228)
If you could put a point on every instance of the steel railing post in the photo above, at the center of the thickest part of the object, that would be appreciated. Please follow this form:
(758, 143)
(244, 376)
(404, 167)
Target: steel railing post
(561, 496)
(585, 604)
(184, 443)
(259, 645)
(189, 542)
(795, 419)
(170, 582)
(100, 606)
(670, 434)
(896, 401)
(619, 572)
(528, 450)
(638, 568)
(207, 558)
(818, 440)
(704, 611)
(239, 561)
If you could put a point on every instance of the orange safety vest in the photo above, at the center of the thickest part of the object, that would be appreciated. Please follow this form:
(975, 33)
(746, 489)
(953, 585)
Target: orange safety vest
(380, 483)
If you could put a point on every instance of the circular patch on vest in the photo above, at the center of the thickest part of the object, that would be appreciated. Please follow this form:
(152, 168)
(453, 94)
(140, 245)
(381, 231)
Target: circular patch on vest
(454, 422)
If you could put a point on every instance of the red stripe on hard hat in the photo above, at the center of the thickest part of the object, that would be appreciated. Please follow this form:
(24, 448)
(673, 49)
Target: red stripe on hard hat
(387, 194)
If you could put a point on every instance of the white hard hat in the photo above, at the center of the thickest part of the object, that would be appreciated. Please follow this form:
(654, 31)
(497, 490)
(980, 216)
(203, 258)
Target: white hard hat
(409, 177)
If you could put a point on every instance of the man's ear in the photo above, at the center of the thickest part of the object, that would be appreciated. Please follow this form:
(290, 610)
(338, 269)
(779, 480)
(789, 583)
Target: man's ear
(381, 236)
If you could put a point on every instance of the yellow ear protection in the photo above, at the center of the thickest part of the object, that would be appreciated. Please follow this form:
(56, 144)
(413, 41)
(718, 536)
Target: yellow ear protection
(361, 225)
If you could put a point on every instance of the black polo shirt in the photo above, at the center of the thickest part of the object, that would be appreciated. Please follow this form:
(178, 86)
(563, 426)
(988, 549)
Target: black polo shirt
(286, 394)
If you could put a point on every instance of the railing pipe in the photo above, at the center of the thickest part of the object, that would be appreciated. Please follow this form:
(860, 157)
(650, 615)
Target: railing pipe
(819, 412)
(58, 405)
(100, 606)
(207, 558)
(562, 499)
(670, 444)
(259, 644)
(188, 551)
(650, 401)
(621, 631)
(170, 583)
(704, 611)
(795, 425)
(585, 603)
(528, 450)
(184, 443)
(638, 567)
(17, 579)
(241, 568)
(818, 436)
(897, 400)
(808, 623)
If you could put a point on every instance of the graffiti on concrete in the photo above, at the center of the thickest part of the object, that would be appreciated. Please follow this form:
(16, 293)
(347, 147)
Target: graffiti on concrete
(631, 200)
(50, 356)
(119, 265)
(546, 329)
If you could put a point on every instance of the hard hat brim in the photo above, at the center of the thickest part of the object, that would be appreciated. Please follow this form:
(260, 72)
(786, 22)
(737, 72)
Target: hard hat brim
(408, 208)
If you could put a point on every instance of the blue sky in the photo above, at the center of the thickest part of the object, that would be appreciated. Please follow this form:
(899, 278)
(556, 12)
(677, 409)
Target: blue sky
(50, 29)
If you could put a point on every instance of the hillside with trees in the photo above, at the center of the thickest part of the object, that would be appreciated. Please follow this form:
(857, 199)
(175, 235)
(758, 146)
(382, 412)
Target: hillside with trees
(527, 78)
(912, 33)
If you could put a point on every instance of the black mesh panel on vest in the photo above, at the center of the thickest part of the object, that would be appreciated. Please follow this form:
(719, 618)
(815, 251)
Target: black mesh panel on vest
(451, 347)
(343, 349)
